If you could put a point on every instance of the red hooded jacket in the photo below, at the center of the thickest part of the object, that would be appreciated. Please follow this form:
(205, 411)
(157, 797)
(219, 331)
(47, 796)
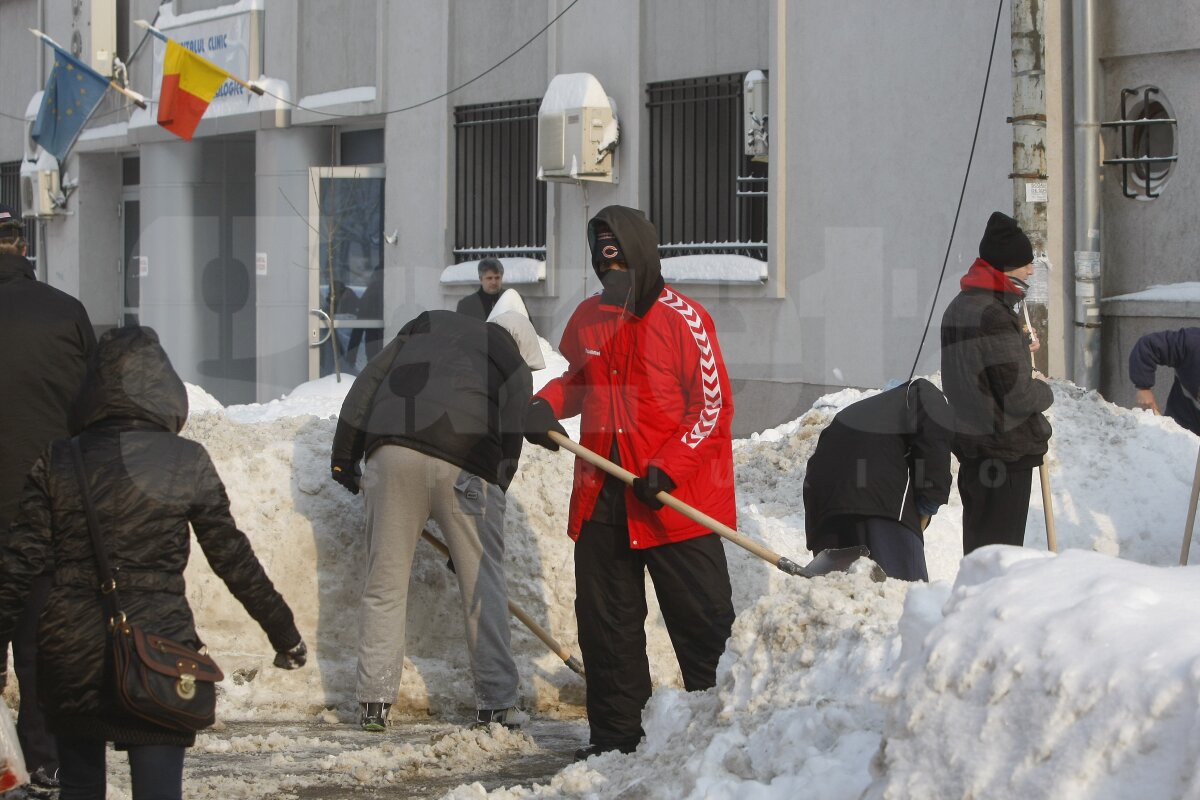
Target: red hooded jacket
(653, 379)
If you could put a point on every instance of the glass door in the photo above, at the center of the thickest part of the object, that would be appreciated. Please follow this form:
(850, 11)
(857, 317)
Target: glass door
(345, 254)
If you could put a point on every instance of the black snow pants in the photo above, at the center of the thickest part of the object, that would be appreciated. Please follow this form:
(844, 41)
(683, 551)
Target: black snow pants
(895, 548)
(995, 498)
(691, 581)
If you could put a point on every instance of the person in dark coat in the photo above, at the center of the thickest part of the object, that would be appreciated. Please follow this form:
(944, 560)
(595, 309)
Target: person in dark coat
(881, 470)
(479, 304)
(1000, 431)
(148, 485)
(48, 339)
(438, 416)
(1179, 350)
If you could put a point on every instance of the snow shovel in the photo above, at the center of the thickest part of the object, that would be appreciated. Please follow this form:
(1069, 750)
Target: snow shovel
(1043, 474)
(1191, 516)
(827, 561)
(571, 661)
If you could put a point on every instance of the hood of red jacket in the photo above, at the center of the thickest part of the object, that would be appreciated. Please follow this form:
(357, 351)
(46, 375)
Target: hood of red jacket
(983, 275)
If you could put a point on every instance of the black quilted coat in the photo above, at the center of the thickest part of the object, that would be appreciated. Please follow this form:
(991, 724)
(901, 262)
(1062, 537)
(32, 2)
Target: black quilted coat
(147, 484)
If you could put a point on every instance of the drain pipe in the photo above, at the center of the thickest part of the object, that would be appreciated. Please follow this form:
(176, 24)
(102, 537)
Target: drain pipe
(1088, 263)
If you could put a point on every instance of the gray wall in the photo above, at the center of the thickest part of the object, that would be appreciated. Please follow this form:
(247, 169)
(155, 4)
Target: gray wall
(880, 110)
(1148, 242)
(873, 107)
(19, 52)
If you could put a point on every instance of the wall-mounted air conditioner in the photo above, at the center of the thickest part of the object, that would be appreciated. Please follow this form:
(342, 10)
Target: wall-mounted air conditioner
(103, 36)
(577, 131)
(754, 100)
(39, 188)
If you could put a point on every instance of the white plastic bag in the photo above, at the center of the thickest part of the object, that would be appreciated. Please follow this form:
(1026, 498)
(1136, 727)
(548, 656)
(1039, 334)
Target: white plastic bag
(12, 761)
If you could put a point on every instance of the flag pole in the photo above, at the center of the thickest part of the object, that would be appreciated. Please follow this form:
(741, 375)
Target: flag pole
(138, 100)
(141, 23)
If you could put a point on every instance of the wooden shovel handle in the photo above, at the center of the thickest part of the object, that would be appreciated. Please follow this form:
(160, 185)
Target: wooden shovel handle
(699, 517)
(520, 614)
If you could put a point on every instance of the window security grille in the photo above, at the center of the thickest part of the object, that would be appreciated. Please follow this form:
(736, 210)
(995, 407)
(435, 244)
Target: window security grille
(1148, 148)
(499, 205)
(706, 195)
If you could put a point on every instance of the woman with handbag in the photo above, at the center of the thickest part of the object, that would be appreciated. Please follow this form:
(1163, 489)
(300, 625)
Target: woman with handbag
(108, 513)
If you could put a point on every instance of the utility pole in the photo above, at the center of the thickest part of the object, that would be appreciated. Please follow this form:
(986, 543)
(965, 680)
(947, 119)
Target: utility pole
(1029, 175)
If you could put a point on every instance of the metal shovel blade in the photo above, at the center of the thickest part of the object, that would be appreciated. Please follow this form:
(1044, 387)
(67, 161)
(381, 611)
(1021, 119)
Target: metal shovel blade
(837, 559)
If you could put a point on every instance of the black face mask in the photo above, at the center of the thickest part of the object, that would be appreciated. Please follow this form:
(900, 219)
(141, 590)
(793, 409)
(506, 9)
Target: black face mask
(618, 288)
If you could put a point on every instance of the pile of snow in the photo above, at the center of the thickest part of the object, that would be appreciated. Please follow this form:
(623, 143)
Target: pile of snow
(1015, 673)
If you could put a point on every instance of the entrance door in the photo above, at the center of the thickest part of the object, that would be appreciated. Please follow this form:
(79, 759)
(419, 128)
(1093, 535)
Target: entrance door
(131, 264)
(345, 254)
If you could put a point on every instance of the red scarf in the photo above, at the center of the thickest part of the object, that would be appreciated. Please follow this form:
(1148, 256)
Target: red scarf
(983, 275)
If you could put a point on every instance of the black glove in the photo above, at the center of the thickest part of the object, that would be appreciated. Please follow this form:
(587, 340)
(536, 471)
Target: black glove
(292, 659)
(346, 473)
(539, 421)
(646, 489)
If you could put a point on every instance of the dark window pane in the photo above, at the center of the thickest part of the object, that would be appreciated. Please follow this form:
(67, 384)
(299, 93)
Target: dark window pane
(706, 196)
(499, 205)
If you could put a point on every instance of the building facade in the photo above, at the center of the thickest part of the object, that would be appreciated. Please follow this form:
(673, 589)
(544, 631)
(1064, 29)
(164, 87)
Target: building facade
(398, 142)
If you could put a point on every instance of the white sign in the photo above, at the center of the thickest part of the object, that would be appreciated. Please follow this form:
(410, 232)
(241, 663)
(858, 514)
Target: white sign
(225, 41)
(141, 266)
(1037, 192)
(260, 263)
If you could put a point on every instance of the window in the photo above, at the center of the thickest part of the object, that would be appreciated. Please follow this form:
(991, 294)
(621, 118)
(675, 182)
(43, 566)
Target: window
(706, 195)
(499, 205)
(10, 195)
(1147, 148)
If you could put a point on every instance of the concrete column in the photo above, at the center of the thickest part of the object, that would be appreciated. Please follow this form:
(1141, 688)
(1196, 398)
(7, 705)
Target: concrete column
(172, 226)
(282, 158)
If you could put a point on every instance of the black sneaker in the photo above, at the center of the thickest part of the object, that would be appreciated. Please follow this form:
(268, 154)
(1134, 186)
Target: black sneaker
(584, 753)
(373, 716)
(42, 785)
(512, 717)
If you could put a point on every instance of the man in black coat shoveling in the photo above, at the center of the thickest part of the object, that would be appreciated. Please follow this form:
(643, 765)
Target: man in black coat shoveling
(880, 471)
(47, 341)
(439, 416)
(1000, 431)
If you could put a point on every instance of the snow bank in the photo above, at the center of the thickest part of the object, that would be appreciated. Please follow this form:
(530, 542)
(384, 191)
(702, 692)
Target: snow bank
(1048, 677)
(1015, 674)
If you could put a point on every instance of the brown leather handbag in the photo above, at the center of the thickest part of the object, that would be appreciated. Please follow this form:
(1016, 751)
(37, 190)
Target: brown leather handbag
(156, 679)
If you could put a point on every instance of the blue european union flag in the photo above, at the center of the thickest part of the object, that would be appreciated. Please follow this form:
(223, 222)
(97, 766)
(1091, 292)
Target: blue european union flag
(73, 91)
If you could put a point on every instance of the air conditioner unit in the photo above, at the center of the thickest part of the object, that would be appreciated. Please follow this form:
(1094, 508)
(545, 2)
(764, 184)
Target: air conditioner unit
(755, 91)
(39, 188)
(103, 36)
(577, 131)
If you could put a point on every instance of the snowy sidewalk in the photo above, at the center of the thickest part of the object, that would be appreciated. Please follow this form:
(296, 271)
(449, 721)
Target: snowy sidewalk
(412, 759)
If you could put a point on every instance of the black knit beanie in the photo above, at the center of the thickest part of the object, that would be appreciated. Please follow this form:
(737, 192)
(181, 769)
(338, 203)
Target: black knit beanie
(1004, 245)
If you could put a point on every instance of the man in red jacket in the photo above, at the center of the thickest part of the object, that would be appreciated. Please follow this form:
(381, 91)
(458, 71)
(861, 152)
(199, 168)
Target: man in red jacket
(647, 376)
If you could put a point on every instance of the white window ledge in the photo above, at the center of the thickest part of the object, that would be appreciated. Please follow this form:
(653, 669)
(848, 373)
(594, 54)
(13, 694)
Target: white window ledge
(517, 271)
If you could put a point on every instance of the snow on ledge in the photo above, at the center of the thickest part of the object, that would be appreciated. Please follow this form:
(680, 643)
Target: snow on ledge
(714, 268)
(1188, 292)
(516, 270)
(357, 94)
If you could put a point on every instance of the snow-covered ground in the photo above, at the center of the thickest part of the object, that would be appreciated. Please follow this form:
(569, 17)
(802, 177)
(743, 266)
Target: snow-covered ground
(1014, 673)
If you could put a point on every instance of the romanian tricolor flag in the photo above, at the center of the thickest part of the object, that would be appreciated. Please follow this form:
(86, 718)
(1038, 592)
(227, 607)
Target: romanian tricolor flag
(189, 84)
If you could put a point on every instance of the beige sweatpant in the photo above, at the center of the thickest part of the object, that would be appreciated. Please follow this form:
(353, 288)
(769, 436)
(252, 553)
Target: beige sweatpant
(404, 489)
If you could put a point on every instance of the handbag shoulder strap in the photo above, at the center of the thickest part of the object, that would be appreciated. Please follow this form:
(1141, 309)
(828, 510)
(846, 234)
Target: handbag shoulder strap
(108, 584)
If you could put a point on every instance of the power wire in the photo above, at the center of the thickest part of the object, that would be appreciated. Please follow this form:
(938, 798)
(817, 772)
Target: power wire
(961, 194)
(446, 93)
